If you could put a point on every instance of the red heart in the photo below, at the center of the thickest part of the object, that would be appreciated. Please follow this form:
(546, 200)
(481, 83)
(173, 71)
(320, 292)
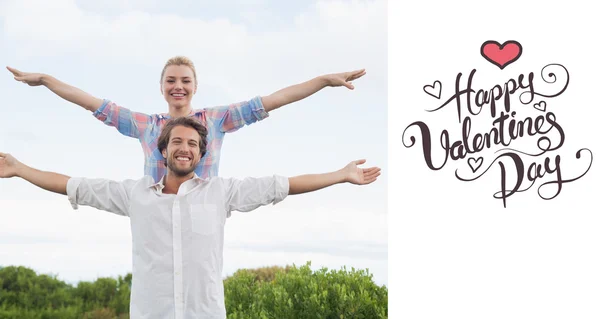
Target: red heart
(501, 55)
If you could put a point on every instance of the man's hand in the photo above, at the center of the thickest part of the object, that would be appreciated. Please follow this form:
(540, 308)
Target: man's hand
(344, 79)
(360, 176)
(33, 79)
(8, 165)
(11, 167)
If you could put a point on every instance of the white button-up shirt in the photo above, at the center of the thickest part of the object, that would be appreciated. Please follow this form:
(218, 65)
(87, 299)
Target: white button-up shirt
(177, 239)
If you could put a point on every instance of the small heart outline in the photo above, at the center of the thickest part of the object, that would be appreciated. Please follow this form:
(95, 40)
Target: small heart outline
(541, 106)
(478, 162)
(434, 87)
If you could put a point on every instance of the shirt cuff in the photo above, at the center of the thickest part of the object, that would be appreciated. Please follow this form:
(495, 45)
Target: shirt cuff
(100, 110)
(258, 109)
(72, 186)
(282, 188)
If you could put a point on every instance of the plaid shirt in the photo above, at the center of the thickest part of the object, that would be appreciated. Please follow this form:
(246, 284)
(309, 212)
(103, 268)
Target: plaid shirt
(147, 128)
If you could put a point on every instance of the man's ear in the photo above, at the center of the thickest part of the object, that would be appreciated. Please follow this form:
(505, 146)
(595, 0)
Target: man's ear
(164, 153)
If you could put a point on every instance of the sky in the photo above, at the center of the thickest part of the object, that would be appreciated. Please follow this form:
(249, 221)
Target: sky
(242, 49)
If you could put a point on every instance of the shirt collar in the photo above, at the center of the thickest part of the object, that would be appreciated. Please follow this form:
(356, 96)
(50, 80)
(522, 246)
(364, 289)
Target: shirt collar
(161, 183)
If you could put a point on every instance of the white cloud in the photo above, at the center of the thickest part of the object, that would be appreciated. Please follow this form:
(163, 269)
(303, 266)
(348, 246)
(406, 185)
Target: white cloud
(118, 5)
(307, 227)
(335, 36)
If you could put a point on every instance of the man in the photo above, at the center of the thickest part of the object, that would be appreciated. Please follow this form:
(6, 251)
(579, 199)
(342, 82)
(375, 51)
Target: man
(178, 223)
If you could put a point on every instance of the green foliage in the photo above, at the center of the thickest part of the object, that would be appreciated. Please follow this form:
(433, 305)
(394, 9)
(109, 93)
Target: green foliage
(270, 292)
(26, 295)
(298, 292)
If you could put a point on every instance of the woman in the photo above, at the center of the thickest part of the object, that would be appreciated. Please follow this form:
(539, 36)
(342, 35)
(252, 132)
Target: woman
(178, 84)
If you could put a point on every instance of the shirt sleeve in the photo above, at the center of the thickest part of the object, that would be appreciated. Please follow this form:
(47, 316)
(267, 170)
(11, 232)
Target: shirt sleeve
(102, 194)
(250, 193)
(128, 123)
(232, 117)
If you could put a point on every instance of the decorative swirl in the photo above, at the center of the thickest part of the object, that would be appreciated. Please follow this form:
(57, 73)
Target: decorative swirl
(517, 151)
(483, 173)
(548, 78)
(542, 148)
(500, 194)
(562, 181)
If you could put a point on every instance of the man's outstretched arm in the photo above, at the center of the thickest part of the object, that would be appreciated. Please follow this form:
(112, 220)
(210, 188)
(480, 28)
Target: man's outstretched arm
(65, 91)
(102, 194)
(250, 193)
(11, 167)
(349, 174)
(300, 91)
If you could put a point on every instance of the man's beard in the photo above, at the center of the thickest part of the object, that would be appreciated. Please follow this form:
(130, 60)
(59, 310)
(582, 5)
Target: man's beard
(179, 172)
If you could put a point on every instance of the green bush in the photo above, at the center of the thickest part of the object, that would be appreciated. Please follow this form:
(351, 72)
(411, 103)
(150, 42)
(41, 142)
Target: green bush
(270, 292)
(26, 295)
(298, 292)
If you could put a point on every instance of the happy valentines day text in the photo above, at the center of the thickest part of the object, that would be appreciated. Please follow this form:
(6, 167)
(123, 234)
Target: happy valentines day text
(506, 128)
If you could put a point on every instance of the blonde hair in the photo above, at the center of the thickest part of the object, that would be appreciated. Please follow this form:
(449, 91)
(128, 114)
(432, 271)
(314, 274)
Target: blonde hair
(179, 60)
